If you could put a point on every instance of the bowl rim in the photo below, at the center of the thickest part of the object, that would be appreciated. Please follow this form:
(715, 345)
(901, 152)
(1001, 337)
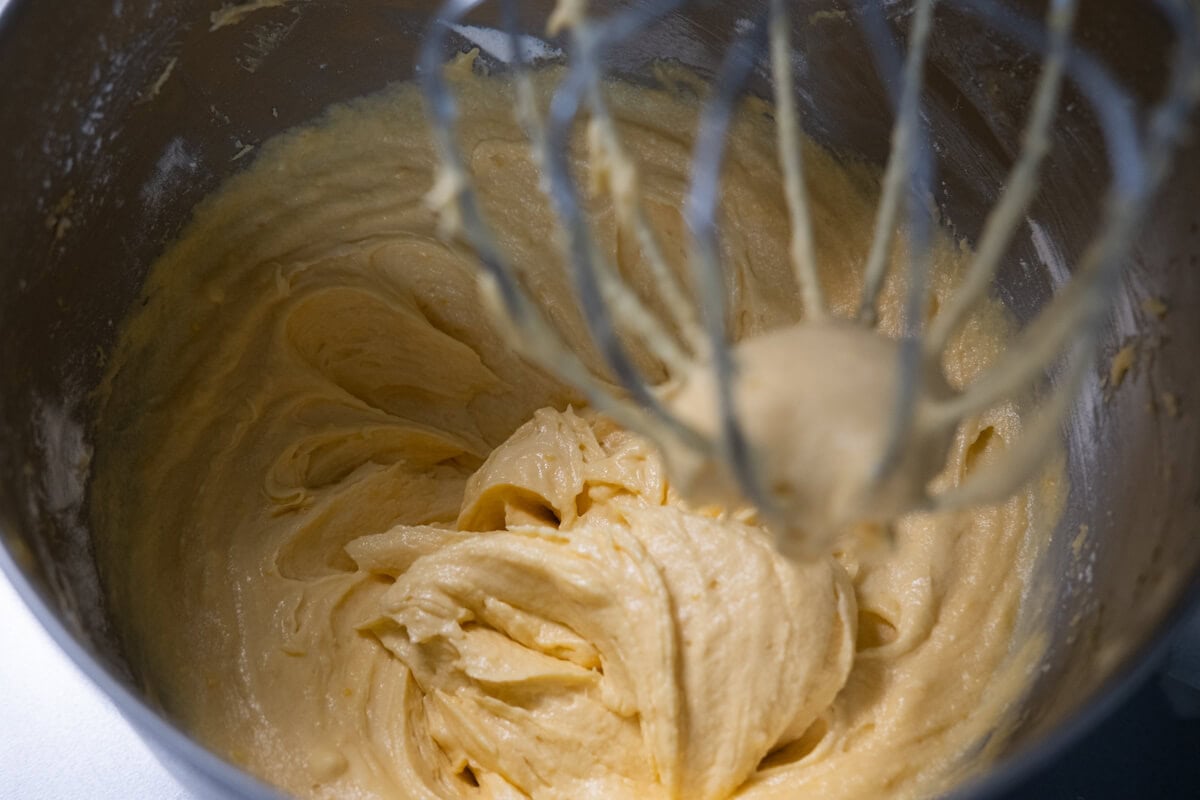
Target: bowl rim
(1134, 670)
(161, 735)
(164, 737)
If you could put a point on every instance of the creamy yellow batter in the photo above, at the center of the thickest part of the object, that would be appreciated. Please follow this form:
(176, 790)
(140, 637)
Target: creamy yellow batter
(359, 547)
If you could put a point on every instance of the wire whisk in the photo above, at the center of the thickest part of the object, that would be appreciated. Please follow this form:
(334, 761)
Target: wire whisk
(881, 424)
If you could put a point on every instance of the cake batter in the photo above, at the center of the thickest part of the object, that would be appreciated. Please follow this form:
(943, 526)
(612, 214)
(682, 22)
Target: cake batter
(360, 548)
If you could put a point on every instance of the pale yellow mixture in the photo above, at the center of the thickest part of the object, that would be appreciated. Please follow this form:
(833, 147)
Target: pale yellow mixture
(359, 547)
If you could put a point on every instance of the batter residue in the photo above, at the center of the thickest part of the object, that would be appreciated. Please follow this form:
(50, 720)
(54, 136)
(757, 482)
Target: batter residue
(358, 546)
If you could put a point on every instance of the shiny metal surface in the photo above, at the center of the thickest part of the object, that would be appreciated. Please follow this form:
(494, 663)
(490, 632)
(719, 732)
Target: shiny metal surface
(102, 166)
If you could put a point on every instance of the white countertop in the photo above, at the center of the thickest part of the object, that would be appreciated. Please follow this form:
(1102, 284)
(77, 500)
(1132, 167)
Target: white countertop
(60, 737)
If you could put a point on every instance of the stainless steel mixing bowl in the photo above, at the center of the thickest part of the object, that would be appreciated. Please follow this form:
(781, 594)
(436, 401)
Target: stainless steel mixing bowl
(119, 116)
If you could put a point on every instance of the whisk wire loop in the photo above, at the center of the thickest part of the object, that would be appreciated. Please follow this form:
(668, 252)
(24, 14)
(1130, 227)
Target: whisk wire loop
(455, 199)
(1076, 316)
(700, 214)
(802, 250)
